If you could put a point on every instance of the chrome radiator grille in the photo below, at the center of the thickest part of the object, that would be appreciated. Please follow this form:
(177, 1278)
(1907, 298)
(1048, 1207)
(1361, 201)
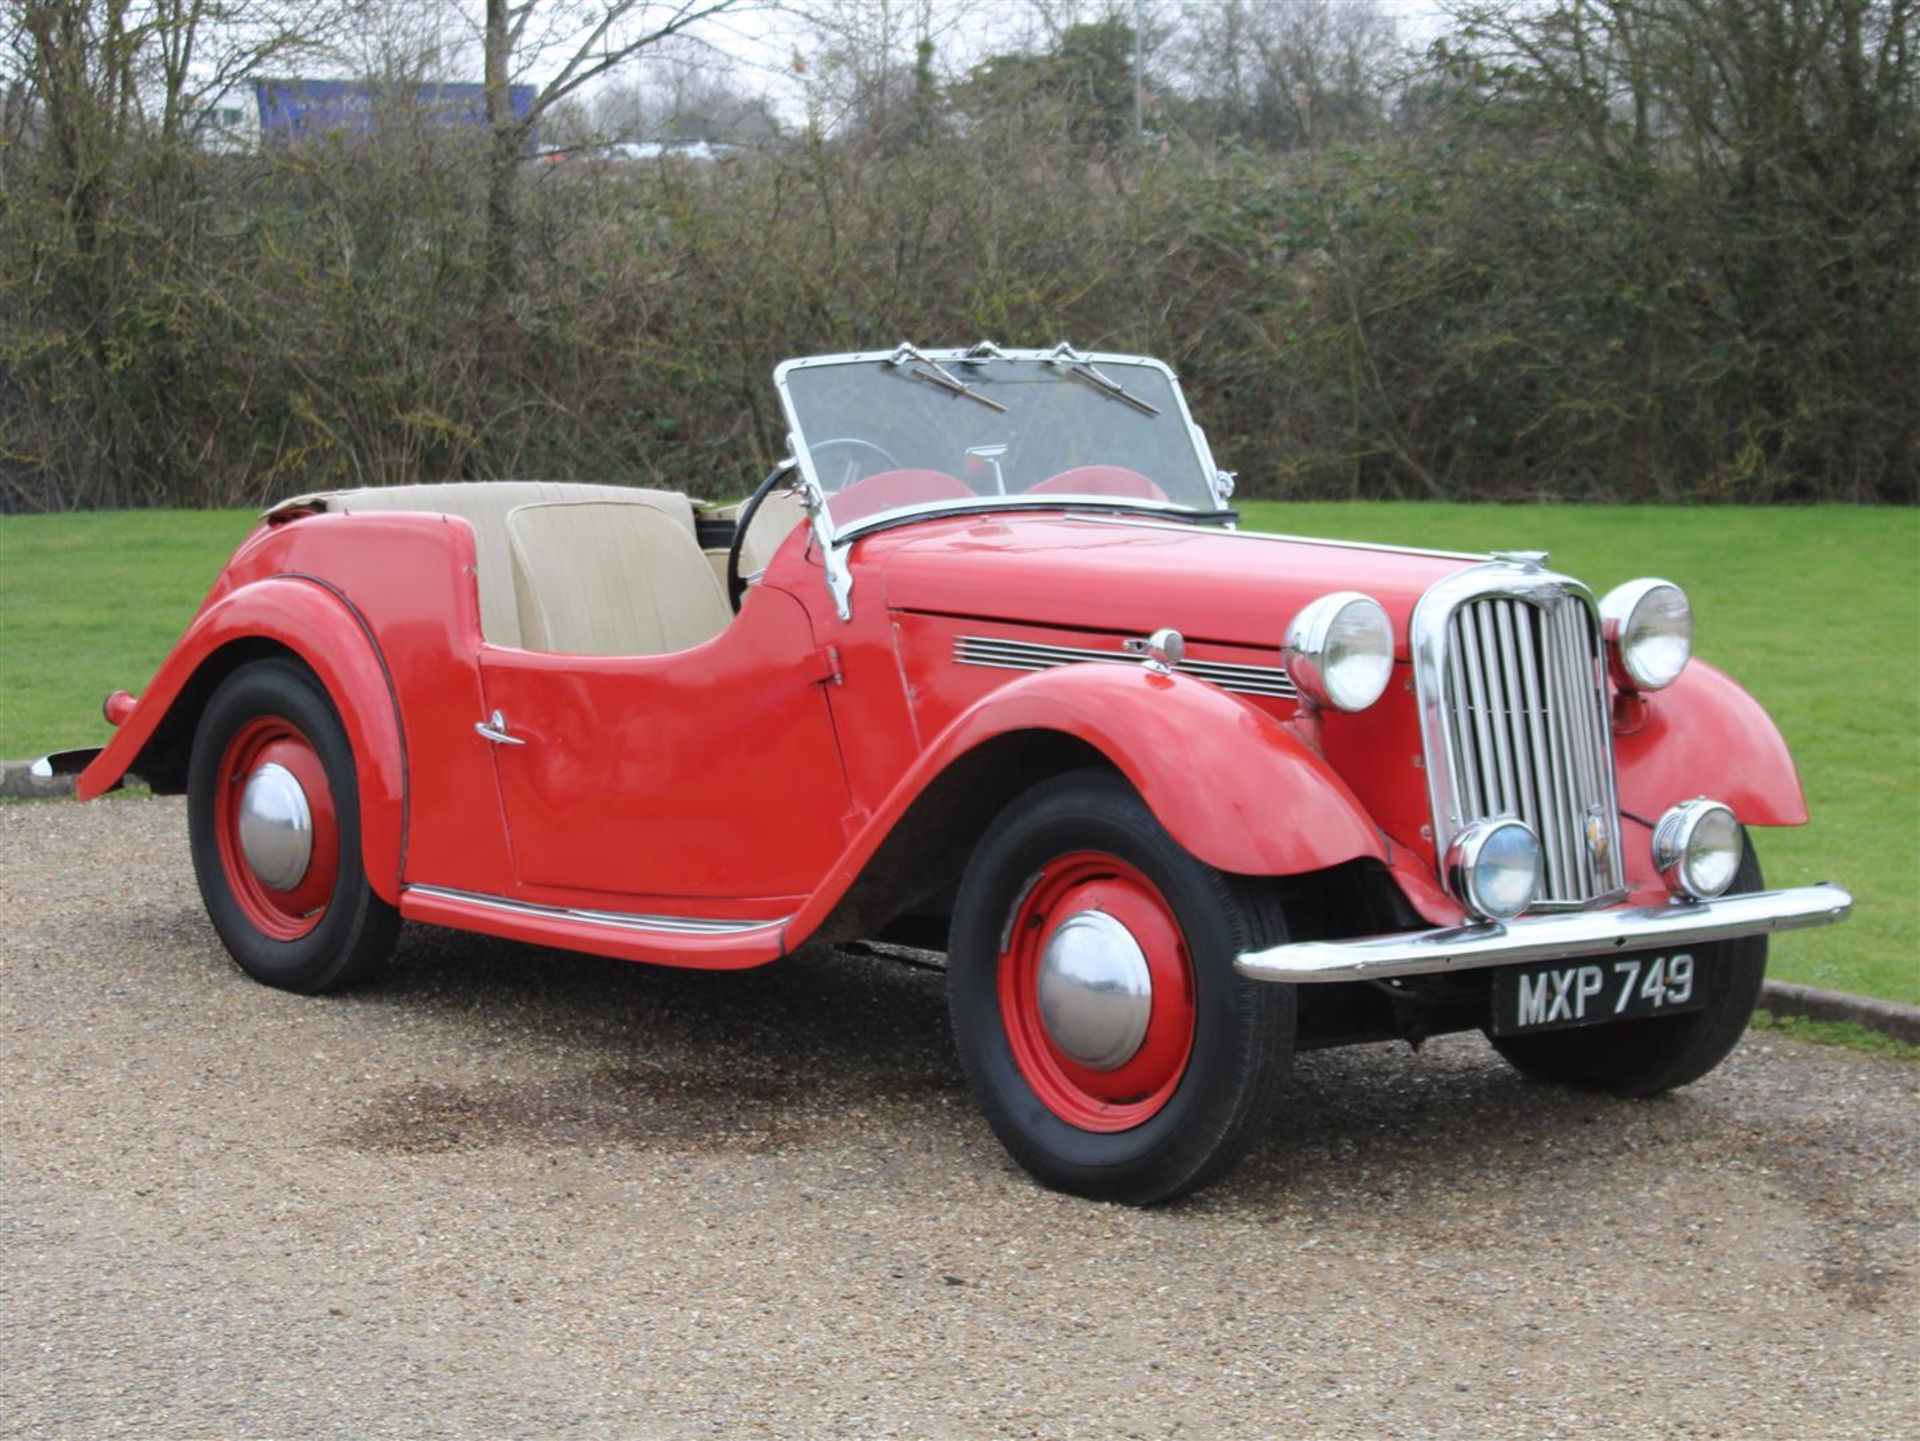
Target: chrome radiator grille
(1523, 731)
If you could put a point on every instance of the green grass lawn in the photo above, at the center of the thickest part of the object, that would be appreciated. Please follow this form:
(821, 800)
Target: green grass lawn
(1817, 611)
(91, 602)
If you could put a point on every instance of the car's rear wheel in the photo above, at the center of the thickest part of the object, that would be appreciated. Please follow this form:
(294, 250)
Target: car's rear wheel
(273, 816)
(1101, 1025)
(1647, 1057)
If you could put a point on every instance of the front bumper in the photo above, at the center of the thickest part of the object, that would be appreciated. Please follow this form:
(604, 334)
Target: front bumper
(1545, 938)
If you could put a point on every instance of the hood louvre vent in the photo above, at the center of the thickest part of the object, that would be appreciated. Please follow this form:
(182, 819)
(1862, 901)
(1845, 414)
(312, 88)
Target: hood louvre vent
(1002, 654)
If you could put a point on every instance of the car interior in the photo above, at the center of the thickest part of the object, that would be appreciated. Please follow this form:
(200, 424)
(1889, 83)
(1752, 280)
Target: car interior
(586, 569)
(573, 569)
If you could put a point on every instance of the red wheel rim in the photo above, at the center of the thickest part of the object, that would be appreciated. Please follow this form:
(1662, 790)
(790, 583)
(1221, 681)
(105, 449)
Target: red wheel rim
(285, 914)
(1137, 1089)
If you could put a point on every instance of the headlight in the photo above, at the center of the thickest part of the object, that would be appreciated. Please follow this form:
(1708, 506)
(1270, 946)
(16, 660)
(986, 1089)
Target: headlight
(1697, 848)
(1339, 651)
(1494, 868)
(1649, 629)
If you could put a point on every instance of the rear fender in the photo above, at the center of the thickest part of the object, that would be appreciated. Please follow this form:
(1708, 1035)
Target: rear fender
(306, 617)
(1229, 782)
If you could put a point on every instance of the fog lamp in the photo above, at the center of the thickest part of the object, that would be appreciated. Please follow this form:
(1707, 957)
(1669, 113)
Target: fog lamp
(1697, 847)
(1494, 868)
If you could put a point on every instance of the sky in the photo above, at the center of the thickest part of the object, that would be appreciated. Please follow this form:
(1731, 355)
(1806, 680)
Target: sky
(763, 45)
(766, 47)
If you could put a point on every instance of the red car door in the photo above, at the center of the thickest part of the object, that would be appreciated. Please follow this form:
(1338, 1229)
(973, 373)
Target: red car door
(709, 773)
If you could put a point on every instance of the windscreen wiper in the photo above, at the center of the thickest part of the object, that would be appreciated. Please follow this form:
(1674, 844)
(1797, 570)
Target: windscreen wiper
(1078, 364)
(931, 371)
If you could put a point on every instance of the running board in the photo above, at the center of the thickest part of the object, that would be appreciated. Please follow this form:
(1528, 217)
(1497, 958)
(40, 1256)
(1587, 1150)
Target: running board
(706, 942)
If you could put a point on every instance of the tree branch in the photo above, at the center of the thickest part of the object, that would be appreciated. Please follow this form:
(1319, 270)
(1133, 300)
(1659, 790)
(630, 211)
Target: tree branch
(579, 69)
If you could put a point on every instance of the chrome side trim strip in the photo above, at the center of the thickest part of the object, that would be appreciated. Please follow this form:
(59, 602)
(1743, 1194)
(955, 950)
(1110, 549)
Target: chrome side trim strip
(612, 920)
(1005, 654)
(1565, 936)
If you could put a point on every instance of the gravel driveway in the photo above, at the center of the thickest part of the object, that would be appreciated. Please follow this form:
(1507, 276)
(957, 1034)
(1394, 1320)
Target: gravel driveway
(511, 1192)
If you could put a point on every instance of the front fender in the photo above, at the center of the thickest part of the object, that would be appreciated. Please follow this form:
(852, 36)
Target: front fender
(1229, 782)
(305, 616)
(1705, 736)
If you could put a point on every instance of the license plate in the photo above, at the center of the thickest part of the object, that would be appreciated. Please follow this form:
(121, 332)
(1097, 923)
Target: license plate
(1554, 995)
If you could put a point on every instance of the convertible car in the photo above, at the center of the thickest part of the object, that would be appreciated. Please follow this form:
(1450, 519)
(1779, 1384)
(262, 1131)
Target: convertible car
(986, 667)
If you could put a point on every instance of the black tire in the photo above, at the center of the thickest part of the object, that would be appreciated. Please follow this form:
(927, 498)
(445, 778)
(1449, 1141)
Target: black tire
(356, 930)
(1242, 1031)
(1647, 1057)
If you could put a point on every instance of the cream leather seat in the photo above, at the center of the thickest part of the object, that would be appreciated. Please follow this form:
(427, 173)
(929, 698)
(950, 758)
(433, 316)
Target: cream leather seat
(485, 505)
(594, 577)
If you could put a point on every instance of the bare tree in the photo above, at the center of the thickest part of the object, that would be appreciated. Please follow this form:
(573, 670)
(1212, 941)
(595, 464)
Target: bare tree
(111, 92)
(399, 41)
(574, 42)
(872, 64)
(1288, 75)
(682, 90)
(148, 68)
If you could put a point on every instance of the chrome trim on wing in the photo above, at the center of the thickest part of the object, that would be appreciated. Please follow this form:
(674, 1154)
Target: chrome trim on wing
(1567, 935)
(1000, 653)
(613, 920)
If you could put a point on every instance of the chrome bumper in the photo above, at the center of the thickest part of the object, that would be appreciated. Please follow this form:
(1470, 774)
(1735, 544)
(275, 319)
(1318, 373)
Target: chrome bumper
(1547, 938)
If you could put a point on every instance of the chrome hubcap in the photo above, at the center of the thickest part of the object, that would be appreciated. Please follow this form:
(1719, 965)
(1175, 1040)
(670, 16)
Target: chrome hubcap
(275, 827)
(1096, 992)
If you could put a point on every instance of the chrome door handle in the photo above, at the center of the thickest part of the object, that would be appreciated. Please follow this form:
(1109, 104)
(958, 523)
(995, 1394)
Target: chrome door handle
(494, 728)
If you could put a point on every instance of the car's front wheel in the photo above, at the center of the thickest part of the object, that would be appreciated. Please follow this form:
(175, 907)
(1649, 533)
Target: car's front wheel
(1099, 1020)
(1659, 1053)
(273, 817)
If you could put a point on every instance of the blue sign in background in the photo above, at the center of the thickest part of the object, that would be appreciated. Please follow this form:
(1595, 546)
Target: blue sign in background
(305, 109)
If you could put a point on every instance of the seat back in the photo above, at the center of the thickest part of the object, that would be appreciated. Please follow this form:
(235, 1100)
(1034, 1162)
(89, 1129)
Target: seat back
(595, 577)
(778, 516)
(485, 505)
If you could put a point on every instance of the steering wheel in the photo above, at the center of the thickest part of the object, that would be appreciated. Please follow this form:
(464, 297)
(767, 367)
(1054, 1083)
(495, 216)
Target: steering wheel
(848, 442)
(742, 522)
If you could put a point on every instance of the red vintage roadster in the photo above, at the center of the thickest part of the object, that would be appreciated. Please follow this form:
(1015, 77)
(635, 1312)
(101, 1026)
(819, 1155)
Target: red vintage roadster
(985, 666)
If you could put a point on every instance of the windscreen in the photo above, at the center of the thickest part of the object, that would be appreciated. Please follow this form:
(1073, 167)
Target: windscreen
(916, 430)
